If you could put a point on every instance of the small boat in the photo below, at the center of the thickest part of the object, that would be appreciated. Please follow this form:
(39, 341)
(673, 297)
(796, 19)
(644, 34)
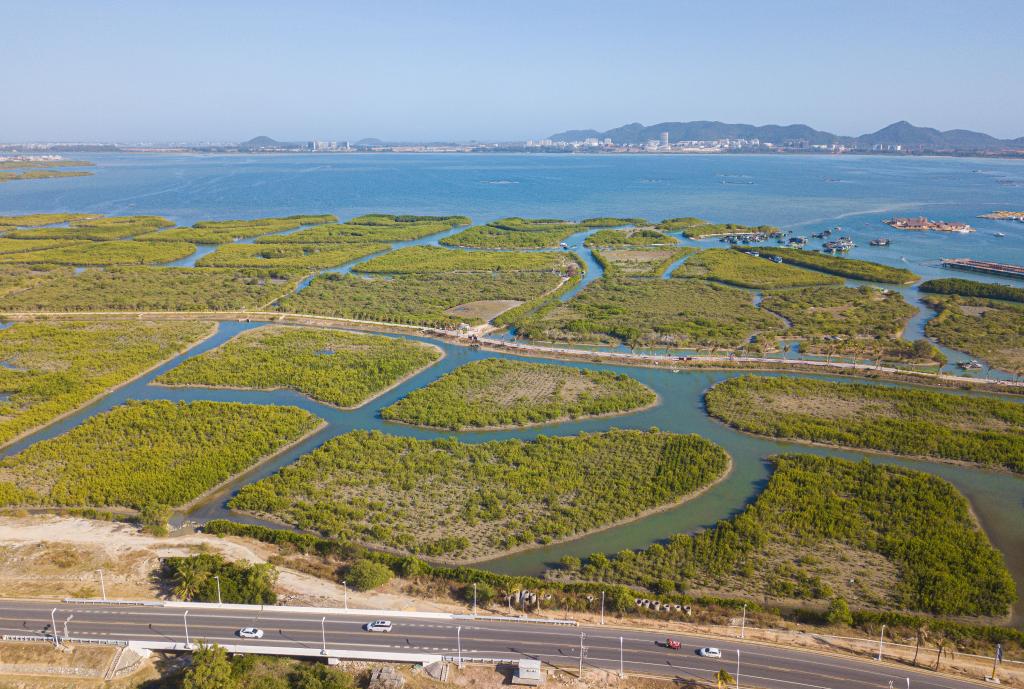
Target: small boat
(972, 365)
(564, 245)
(998, 234)
(879, 242)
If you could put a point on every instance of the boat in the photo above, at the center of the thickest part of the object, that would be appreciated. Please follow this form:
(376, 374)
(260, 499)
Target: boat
(972, 365)
(998, 234)
(564, 245)
(879, 242)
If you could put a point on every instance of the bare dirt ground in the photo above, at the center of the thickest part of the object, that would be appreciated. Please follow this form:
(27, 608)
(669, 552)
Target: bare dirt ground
(483, 310)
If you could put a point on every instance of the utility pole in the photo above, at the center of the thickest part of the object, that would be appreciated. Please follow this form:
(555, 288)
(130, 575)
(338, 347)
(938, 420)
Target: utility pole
(880, 638)
(345, 584)
(995, 659)
(737, 668)
(70, 617)
(103, 588)
(474, 598)
(187, 643)
(323, 634)
(219, 601)
(602, 607)
(583, 636)
(743, 622)
(458, 641)
(53, 626)
(621, 673)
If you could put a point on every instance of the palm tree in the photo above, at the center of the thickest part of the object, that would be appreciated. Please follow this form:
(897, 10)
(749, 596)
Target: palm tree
(189, 578)
(922, 636)
(723, 679)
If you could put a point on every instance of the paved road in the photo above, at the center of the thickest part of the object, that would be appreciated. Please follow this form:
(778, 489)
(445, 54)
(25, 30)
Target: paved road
(760, 665)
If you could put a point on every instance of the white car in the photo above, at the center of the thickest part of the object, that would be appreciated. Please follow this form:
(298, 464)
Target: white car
(709, 652)
(379, 626)
(250, 633)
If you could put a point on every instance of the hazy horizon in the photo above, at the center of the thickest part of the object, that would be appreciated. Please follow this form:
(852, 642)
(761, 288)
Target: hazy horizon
(460, 71)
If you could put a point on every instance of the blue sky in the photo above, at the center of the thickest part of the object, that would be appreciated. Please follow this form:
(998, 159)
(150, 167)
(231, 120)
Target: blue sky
(447, 70)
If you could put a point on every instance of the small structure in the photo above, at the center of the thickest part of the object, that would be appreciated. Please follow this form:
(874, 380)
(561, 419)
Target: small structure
(386, 677)
(528, 673)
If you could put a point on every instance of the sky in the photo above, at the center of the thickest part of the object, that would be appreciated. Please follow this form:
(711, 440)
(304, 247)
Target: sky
(447, 70)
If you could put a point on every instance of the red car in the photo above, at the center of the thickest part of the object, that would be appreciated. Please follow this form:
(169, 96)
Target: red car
(673, 644)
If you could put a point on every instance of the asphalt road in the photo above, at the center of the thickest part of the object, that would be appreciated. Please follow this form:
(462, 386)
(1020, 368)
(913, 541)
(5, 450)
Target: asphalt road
(761, 665)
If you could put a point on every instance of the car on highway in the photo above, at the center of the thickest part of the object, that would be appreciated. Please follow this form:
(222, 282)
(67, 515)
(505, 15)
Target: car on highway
(250, 633)
(709, 652)
(378, 626)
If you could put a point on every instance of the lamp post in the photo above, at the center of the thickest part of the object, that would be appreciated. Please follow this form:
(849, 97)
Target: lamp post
(344, 583)
(602, 607)
(323, 634)
(621, 673)
(458, 641)
(737, 668)
(103, 588)
(743, 622)
(70, 617)
(53, 626)
(187, 643)
(880, 639)
(219, 601)
(474, 598)
(583, 637)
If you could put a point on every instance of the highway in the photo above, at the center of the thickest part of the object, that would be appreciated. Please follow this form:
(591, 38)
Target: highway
(761, 665)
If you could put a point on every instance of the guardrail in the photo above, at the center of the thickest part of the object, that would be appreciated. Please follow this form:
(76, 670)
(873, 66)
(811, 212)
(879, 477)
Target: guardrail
(25, 637)
(100, 601)
(64, 639)
(526, 620)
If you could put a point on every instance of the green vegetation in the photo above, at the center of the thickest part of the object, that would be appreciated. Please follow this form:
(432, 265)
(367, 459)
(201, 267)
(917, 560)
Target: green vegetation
(640, 262)
(386, 219)
(212, 669)
(375, 228)
(613, 222)
(620, 238)
(411, 494)
(863, 322)
(52, 368)
(433, 259)
(916, 526)
(366, 575)
(145, 453)
(142, 289)
(287, 256)
(695, 228)
(970, 288)
(414, 299)
(15, 246)
(502, 392)
(40, 219)
(7, 164)
(223, 231)
(990, 329)
(676, 224)
(340, 368)
(844, 267)
(97, 229)
(6, 176)
(193, 579)
(743, 270)
(903, 421)
(665, 313)
(97, 253)
(514, 233)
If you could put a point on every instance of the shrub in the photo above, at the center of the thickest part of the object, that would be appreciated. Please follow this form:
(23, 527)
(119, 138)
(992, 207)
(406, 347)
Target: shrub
(366, 575)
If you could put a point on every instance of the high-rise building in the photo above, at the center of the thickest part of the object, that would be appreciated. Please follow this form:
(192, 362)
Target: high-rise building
(664, 139)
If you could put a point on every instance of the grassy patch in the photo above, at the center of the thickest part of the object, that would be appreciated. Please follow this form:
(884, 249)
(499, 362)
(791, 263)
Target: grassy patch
(990, 329)
(433, 259)
(743, 270)
(674, 313)
(414, 299)
(514, 233)
(7, 176)
(17, 246)
(641, 261)
(145, 453)
(223, 231)
(970, 288)
(411, 494)
(612, 222)
(51, 368)
(98, 229)
(287, 256)
(695, 228)
(918, 525)
(904, 421)
(844, 267)
(344, 369)
(97, 253)
(142, 289)
(501, 392)
(619, 238)
(375, 228)
(861, 321)
(41, 219)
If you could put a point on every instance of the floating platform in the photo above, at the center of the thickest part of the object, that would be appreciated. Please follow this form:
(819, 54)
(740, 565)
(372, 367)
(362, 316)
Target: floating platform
(1007, 269)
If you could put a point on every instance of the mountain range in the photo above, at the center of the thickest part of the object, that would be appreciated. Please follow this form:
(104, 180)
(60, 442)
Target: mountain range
(899, 133)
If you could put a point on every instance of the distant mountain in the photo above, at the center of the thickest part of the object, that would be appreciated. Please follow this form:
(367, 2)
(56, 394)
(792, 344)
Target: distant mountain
(265, 142)
(900, 133)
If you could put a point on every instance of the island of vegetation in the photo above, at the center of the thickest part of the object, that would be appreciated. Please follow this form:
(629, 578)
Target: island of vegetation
(377, 227)
(143, 454)
(680, 313)
(96, 253)
(340, 368)
(409, 495)
(223, 231)
(743, 270)
(837, 265)
(17, 246)
(625, 238)
(1004, 215)
(48, 369)
(613, 222)
(515, 233)
(922, 223)
(695, 228)
(970, 288)
(42, 219)
(494, 393)
(640, 261)
(11, 176)
(990, 329)
(46, 288)
(833, 530)
(95, 228)
(287, 256)
(904, 421)
(20, 168)
(434, 259)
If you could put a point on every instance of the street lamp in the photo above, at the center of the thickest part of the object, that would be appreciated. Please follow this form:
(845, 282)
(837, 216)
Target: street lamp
(881, 637)
(219, 602)
(474, 598)
(103, 588)
(70, 617)
(743, 622)
(53, 626)
(187, 643)
(602, 607)
(344, 583)
(621, 673)
(458, 640)
(323, 633)
(583, 636)
(737, 668)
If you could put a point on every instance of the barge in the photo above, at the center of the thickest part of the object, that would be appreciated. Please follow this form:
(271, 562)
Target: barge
(1005, 269)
